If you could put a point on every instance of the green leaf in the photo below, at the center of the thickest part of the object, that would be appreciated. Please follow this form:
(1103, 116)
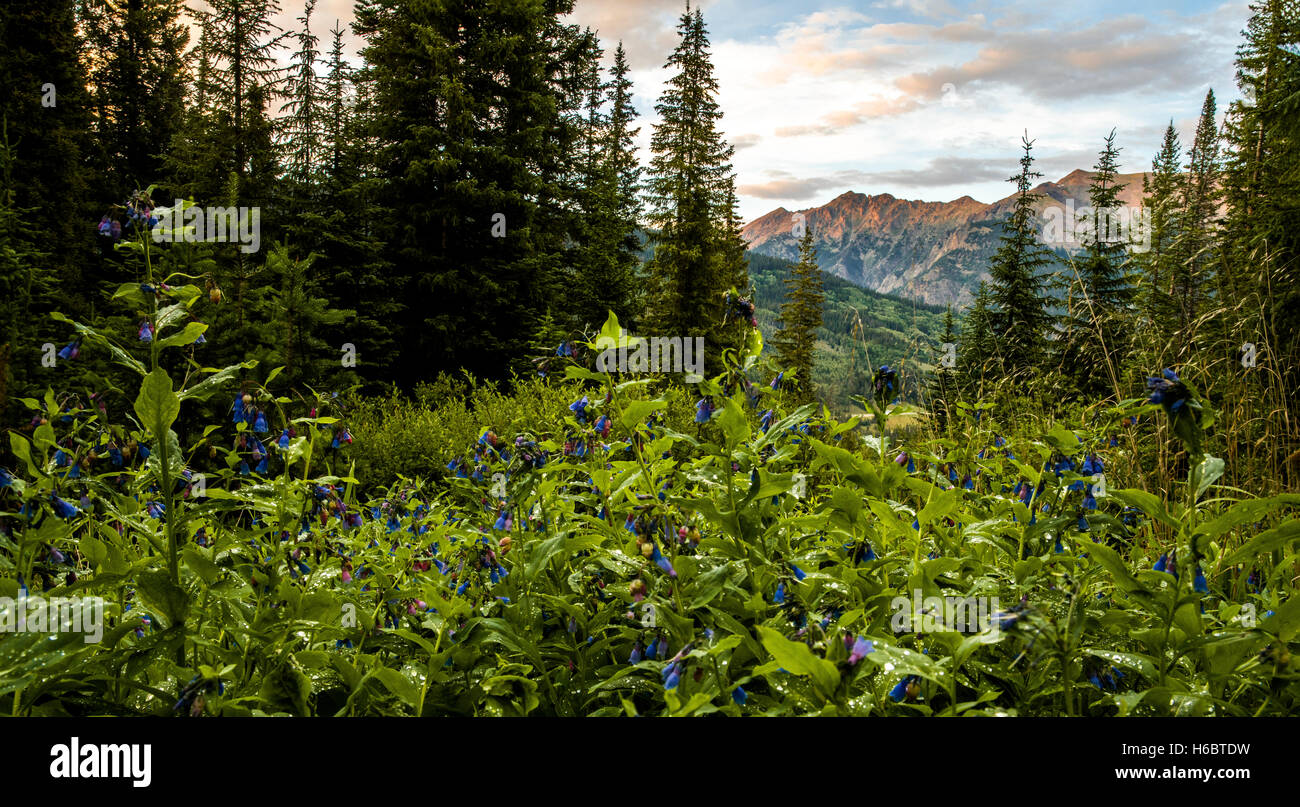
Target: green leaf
(1248, 510)
(95, 337)
(1266, 541)
(1148, 503)
(206, 388)
(734, 424)
(1119, 571)
(157, 405)
(23, 451)
(185, 336)
(1285, 621)
(158, 590)
(796, 658)
(1133, 661)
(1206, 473)
(635, 413)
(399, 685)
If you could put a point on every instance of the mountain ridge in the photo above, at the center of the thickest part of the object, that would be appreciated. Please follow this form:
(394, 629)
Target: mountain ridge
(935, 252)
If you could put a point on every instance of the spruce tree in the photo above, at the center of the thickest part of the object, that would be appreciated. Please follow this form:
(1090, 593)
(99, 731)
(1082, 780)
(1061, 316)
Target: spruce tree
(229, 129)
(944, 387)
(1161, 207)
(1095, 335)
(47, 110)
(1194, 251)
(801, 317)
(1261, 267)
(1020, 318)
(23, 288)
(471, 150)
(977, 353)
(137, 82)
(689, 182)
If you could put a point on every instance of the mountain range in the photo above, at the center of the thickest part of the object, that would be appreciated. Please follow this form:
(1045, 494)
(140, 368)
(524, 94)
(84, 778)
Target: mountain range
(935, 252)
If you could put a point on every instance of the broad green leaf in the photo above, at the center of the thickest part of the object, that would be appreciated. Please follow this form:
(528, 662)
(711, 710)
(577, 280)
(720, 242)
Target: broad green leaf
(799, 660)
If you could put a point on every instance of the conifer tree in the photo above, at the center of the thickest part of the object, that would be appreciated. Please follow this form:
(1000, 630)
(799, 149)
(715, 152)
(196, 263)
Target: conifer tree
(944, 386)
(47, 110)
(137, 81)
(229, 129)
(1160, 188)
(472, 148)
(1194, 251)
(1020, 318)
(1261, 266)
(1095, 339)
(23, 287)
(690, 179)
(801, 317)
(977, 354)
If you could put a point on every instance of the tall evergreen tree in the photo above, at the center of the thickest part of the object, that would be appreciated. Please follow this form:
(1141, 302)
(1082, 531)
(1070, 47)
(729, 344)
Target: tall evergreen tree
(137, 78)
(44, 100)
(1197, 239)
(977, 353)
(1262, 184)
(1095, 337)
(1020, 316)
(801, 317)
(23, 287)
(690, 179)
(605, 255)
(471, 149)
(943, 386)
(1160, 189)
(229, 129)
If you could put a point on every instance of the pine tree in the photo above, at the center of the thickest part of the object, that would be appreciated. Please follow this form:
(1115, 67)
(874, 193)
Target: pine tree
(622, 163)
(137, 82)
(343, 227)
(473, 148)
(1019, 317)
(801, 317)
(1160, 188)
(23, 287)
(47, 110)
(1261, 267)
(605, 255)
(977, 355)
(690, 178)
(944, 385)
(306, 109)
(1095, 338)
(1194, 256)
(295, 315)
(229, 129)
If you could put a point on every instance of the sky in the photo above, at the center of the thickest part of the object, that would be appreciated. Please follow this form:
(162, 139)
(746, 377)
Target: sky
(924, 99)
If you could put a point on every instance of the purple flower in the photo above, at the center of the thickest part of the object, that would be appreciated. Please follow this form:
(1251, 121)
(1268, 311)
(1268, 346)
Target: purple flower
(861, 647)
(62, 508)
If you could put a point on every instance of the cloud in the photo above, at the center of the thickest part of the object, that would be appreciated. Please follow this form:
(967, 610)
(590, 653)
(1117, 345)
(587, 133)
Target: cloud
(741, 142)
(647, 28)
(1126, 55)
(938, 172)
(834, 122)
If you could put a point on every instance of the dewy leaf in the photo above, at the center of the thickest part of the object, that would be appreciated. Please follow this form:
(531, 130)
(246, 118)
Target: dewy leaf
(95, 337)
(212, 384)
(157, 405)
(635, 413)
(1148, 503)
(1119, 571)
(185, 336)
(1266, 541)
(1206, 473)
(795, 657)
